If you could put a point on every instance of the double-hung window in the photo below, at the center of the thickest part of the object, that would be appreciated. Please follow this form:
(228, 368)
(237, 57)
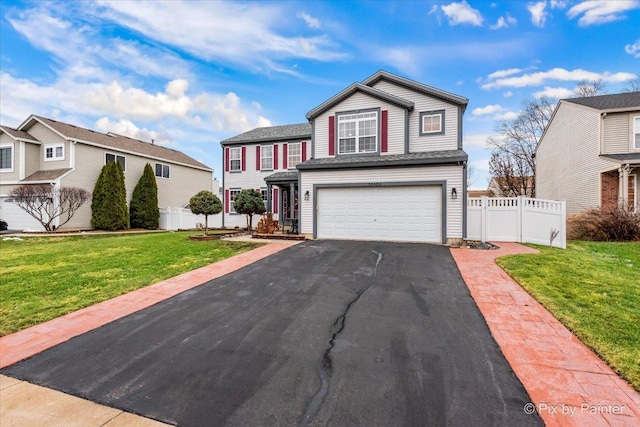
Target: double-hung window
(162, 171)
(263, 193)
(358, 133)
(294, 155)
(232, 197)
(432, 122)
(6, 158)
(636, 133)
(109, 157)
(266, 157)
(54, 152)
(235, 159)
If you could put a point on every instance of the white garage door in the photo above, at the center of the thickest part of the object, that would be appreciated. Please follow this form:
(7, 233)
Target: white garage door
(409, 213)
(17, 218)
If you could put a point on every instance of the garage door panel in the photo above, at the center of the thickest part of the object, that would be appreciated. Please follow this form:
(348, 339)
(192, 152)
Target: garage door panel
(397, 213)
(16, 217)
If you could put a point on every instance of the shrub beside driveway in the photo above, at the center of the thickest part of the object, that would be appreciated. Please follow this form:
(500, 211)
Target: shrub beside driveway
(593, 288)
(47, 277)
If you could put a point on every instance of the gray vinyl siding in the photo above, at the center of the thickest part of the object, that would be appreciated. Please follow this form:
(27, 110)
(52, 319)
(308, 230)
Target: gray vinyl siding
(453, 175)
(32, 158)
(360, 101)
(47, 137)
(568, 165)
(417, 143)
(615, 132)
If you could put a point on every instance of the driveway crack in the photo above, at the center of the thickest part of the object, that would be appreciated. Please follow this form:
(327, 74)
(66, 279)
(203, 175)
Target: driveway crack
(326, 366)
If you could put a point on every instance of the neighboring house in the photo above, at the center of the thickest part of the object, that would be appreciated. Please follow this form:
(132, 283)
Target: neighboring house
(384, 162)
(480, 193)
(45, 151)
(589, 153)
(520, 186)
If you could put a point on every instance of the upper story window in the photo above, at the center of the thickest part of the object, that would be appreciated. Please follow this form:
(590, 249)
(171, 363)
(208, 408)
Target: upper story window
(6, 157)
(162, 171)
(109, 157)
(432, 122)
(235, 159)
(294, 155)
(53, 152)
(266, 157)
(636, 133)
(358, 133)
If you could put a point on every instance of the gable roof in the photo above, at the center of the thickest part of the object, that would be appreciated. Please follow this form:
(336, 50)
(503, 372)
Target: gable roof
(618, 101)
(359, 87)
(46, 175)
(19, 135)
(419, 87)
(271, 133)
(114, 141)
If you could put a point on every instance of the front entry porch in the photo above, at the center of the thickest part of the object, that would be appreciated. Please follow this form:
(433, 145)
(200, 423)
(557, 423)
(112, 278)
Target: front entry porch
(285, 200)
(619, 187)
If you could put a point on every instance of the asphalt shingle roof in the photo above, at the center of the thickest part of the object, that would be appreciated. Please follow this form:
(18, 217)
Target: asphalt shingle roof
(282, 176)
(120, 142)
(46, 175)
(358, 161)
(609, 102)
(624, 157)
(271, 133)
(18, 134)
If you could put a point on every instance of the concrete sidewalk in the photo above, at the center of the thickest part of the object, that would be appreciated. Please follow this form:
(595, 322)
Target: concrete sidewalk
(568, 384)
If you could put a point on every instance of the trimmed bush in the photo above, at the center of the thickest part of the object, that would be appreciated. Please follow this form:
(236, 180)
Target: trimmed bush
(205, 203)
(249, 202)
(604, 224)
(109, 203)
(143, 209)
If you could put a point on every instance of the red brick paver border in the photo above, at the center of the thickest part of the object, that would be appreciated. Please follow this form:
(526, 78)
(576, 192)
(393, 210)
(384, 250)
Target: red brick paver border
(29, 342)
(568, 384)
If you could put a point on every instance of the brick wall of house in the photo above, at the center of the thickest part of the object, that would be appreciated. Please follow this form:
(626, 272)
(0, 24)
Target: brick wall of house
(609, 189)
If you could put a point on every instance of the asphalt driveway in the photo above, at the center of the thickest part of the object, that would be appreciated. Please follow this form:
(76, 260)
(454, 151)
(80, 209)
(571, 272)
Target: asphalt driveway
(323, 333)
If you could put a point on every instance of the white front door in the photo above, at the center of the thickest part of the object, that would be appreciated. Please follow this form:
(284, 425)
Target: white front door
(394, 213)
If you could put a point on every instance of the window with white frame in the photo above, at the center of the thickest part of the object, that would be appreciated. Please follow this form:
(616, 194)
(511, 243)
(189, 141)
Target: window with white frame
(54, 152)
(294, 156)
(636, 133)
(263, 193)
(6, 157)
(232, 197)
(110, 157)
(235, 159)
(432, 122)
(162, 170)
(266, 157)
(358, 133)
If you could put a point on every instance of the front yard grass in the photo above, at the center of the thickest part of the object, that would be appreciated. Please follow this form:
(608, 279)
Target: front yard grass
(43, 278)
(593, 288)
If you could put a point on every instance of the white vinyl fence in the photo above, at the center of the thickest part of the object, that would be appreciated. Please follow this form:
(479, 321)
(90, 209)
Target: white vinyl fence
(184, 219)
(517, 219)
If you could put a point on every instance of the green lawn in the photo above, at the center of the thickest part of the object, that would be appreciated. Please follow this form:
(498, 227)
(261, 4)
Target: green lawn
(43, 278)
(594, 289)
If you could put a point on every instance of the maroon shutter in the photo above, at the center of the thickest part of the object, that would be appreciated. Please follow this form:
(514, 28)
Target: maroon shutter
(332, 135)
(244, 159)
(226, 159)
(285, 159)
(226, 201)
(275, 156)
(385, 131)
(257, 157)
(304, 150)
(275, 201)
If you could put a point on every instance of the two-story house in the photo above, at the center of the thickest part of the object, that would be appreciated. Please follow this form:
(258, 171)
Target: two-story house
(589, 153)
(46, 151)
(385, 162)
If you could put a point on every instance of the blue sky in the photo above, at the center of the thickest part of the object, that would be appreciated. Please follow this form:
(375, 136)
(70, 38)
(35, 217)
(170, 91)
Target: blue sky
(189, 74)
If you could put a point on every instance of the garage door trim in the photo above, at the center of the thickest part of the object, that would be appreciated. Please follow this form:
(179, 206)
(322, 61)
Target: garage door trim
(442, 184)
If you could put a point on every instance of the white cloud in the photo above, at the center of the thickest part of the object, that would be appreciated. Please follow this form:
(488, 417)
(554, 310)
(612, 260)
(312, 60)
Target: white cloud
(554, 93)
(504, 73)
(559, 74)
(310, 20)
(489, 109)
(508, 94)
(559, 4)
(239, 33)
(462, 13)
(504, 22)
(475, 140)
(596, 12)
(128, 128)
(538, 13)
(506, 116)
(633, 49)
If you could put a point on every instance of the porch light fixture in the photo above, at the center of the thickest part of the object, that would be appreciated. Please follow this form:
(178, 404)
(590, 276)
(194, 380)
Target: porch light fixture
(454, 193)
(306, 195)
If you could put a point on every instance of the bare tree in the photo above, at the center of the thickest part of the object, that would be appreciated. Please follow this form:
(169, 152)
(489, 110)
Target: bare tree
(47, 202)
(587, 88)
(471, 175)
(632, 85)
